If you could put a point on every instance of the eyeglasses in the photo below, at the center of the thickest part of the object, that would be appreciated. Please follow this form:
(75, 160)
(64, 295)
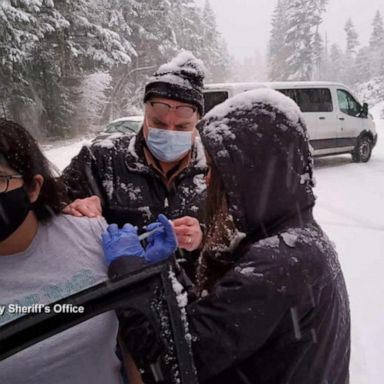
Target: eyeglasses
(4, 181)
(162, 109)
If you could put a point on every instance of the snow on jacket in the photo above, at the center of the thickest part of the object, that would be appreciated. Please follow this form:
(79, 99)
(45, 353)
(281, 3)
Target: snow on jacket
(281, 313)
(115, 169)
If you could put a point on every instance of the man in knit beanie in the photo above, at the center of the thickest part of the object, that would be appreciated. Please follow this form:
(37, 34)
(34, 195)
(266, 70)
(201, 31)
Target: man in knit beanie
(180, 80)
(161, 169)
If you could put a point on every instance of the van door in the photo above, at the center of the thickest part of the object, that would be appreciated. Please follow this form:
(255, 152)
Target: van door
(349, 120)
(317, 107)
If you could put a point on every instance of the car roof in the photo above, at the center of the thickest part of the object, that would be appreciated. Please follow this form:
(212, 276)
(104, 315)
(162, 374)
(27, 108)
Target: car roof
(244, 86)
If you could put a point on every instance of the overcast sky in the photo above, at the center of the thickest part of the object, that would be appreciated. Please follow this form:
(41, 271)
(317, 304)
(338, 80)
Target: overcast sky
(245, 24)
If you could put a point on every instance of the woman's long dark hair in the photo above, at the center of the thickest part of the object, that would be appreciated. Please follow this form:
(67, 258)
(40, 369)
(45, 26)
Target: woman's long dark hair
(216, 256)
(22, 153)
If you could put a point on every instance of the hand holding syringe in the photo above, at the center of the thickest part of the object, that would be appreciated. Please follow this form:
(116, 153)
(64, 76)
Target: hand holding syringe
(145, 235)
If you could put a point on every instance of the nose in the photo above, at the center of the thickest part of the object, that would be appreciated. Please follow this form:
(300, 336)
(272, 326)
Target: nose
(170, 120)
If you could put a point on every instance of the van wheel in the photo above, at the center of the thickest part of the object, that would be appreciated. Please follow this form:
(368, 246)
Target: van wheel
(363, 150)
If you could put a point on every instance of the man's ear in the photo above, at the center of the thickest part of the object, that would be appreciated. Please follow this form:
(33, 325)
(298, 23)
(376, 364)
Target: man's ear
(34, 190)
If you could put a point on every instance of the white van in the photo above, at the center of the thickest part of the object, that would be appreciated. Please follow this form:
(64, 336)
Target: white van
(337, 123)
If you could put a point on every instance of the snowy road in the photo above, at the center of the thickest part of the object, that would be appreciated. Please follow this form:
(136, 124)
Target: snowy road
(350, 207)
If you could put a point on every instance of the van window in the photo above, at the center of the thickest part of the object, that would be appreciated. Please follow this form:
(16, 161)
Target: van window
(347, 103)
(211, 99)
(311, 99)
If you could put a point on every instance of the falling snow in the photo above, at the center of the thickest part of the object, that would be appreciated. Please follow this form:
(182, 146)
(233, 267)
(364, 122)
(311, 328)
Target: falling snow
(349, 208)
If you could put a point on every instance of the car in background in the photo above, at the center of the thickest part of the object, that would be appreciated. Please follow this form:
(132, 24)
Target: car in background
(337, 122)
(123, 125)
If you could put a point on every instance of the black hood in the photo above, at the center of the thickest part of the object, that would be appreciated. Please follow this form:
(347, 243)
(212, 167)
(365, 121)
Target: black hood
(258, 142)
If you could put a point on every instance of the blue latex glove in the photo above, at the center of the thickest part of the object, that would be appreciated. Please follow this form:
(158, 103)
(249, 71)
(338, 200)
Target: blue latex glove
(162, 244)
(121, 242)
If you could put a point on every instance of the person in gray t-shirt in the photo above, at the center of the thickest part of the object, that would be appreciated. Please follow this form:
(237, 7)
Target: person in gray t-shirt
(45, 256)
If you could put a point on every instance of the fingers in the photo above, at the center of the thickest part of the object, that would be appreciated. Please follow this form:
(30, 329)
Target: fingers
(189, 237)
(109, 233)
(129, 228)
(89, 207)
(113, 229)
(105, 237)
(71, 210)
(152, 226)
(185, 220)
(167, 224)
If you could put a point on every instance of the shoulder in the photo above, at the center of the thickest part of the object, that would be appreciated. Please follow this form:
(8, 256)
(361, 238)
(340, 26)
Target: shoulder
(80, 227)
(296, 255)
(111, 143)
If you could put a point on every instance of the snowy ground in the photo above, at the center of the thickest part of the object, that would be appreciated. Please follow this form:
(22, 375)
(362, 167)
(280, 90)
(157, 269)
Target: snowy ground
(351, 210)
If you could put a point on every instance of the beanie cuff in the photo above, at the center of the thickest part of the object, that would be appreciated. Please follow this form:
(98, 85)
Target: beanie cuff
(175, 92)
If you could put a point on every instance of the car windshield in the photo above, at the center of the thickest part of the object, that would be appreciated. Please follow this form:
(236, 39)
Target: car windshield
(123, 126)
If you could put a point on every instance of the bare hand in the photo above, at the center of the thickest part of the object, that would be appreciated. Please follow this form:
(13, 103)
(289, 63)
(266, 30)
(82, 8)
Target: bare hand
(188, 232)
(89, 207)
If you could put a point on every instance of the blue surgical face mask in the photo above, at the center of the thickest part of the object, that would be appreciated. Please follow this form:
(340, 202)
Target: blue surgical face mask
(167, 145)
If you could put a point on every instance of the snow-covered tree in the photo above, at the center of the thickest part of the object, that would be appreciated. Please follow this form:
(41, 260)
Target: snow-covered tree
(50, 49)
(277, 50)
(376, 40)
(319, 57)
(352, 37)
(46, 48)
(213, 50)
(376, 46)
(363, 65)
(293, 38)
(350, 74)
(336, 59)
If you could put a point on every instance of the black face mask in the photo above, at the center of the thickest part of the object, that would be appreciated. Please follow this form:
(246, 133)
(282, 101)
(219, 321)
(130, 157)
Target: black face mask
(14, 208)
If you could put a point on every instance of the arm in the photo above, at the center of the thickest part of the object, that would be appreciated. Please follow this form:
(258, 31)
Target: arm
(81, 175)
(133, 374)
(237, 317)
(124, 253)
(82, 185)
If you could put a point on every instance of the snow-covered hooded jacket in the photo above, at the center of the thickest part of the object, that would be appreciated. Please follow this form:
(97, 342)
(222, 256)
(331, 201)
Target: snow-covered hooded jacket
(280, 314)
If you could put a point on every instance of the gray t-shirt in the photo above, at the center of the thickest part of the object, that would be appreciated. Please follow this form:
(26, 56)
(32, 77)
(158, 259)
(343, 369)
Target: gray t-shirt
(64, 257)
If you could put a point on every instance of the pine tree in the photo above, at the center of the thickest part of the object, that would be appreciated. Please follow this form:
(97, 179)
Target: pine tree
(319, 57)
(277, 50)
(47, 48)
(336, 59)
(50, 49)
(376, 40)
(18, 33)
(363, 64)
(213, 50)
(352, 37)
(376, 45)
(293, 39)
(350, 75)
